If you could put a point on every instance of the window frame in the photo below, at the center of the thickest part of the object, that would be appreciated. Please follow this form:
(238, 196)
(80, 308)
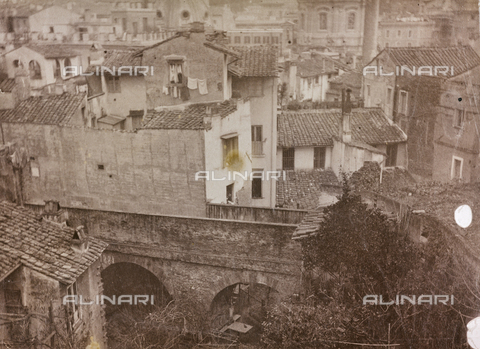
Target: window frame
(257, 140)
(392, 154)
(74, 309)
(452, 172)
(402, 107)
(229, 144)
(35, 70)
(323, 21)
(113, 83)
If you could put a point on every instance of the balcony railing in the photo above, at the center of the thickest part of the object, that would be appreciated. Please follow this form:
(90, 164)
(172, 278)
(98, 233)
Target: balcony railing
(257, 148)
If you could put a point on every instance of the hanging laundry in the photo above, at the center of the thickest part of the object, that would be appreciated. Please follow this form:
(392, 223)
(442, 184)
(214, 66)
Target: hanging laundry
(175, 95)
(202, 87)
(192, 83)
(165, 90)
(173, 74)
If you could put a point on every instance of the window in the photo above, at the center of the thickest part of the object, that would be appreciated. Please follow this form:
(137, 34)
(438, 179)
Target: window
(124, 24)
(402, 106)
(13, 299)
(257, 39)
(257, 184)
(266, 39)
(457, 168)
(351, 21)
(275, 40)
(389, 95)
(319, 157)
(409, 33)
(229, 192)
(288, 158)
(73, 309)
(57, 73)
(35, 71)
(230, 151)
(246, 40)
(113, 83)
(322, 17)
(399, 33)
(159, 14)
(17, 64)
(135, 28)
(391, 155)
(257, 144)
(236, 39)
(68, 63)
(185, 15)
(177, 80)
(387, 33)
(52, 30)
(459, 118)
(145, 24)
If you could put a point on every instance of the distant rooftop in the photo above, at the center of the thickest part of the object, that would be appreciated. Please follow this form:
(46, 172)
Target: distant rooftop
(255, 61)
(192, 118)
(317, 127)
(50, 110)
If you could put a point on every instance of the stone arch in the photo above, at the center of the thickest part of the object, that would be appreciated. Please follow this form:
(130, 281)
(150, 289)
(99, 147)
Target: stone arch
(109, 258)
(245, 277)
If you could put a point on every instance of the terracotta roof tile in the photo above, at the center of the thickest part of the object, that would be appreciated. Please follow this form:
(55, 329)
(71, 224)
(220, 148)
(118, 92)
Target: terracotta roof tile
(349, 79)
(309, 225)
(119, 58)
(462, 58)
(50, 110)
(318, 127)
(189, 119)
(54, 50)
(256, 61)
(302, 189)
(7, 85)
(42, 245)
(313, 67)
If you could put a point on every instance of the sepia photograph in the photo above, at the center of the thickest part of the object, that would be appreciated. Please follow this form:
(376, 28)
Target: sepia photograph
(239, 174)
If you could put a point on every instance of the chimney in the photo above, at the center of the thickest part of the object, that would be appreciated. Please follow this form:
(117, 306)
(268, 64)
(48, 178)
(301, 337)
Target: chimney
(345, 133)
(79, 240)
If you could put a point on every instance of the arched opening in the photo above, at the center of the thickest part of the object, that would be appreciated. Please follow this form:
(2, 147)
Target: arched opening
(35, 70)
(185, 14)
(128, 280)
(242, 304)
(57, 70)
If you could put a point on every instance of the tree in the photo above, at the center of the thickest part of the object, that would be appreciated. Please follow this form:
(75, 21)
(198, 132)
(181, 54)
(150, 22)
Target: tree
(357, 252)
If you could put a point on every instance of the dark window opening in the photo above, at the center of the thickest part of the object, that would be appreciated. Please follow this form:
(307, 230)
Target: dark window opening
(35, 71)
(257, 143)
(230, 193)
(113, 84)
(257, 185)
(391, 155)
(101, 167)
(319, 155)
(288, 159)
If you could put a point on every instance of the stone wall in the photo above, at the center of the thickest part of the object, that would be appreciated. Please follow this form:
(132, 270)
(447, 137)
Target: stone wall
(149, 172)
(198, 253)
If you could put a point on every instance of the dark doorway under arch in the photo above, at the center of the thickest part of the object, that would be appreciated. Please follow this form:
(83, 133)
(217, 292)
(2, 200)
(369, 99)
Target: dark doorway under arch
(244, 303)
(130, 279)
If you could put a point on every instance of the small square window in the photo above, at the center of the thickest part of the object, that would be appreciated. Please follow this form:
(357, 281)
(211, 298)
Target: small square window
(101, 167)
(113, 83)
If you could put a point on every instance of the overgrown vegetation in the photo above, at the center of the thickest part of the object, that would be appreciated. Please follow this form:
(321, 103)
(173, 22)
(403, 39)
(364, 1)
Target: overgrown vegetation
(358, 252)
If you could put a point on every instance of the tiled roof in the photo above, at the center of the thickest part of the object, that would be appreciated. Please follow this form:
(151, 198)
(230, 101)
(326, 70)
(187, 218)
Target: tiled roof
(314, 67)
(119, 58)
(349, 79)
(309, 225)
(42, 245)
(189, 119)
(50, 110)
(54, 50)
(304, 189)
(222, 48)
(318, 127)
(462, 58)
(7, 85)
(255, 61)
